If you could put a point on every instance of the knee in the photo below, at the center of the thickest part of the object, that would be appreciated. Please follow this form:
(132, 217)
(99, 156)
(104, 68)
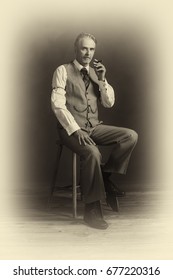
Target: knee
(93, 153)
(133, 136)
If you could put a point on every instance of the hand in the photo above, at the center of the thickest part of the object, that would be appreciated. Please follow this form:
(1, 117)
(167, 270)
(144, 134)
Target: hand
(83, 137)
(99, 69)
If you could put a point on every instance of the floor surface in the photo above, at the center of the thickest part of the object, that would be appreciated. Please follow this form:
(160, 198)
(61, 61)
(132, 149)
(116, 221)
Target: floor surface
(142, 229)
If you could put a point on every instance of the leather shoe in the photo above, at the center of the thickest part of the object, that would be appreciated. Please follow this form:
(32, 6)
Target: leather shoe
(93, 215)
(112, 201)
(113, 189)
(110, 187)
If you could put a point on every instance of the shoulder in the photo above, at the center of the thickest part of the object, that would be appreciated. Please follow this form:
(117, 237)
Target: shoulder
(60, 69)
(63, 69)
(59, 76)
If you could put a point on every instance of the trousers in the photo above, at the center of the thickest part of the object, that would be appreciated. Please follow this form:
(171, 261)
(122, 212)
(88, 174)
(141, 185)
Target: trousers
(122, 140)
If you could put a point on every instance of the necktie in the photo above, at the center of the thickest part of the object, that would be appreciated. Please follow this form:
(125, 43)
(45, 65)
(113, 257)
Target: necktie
(86, 77)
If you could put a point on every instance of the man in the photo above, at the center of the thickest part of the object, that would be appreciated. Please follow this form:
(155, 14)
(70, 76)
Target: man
(77, 88)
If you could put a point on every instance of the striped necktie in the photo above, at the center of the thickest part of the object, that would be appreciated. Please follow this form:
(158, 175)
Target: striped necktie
(85, 77)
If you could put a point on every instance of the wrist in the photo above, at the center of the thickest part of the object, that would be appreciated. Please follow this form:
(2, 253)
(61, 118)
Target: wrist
(101, 78)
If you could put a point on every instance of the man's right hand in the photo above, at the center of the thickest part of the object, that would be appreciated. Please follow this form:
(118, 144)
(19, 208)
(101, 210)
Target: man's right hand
(83, 137)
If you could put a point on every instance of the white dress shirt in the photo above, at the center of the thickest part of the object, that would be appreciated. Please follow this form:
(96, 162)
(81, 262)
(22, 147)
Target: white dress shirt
(58, 98)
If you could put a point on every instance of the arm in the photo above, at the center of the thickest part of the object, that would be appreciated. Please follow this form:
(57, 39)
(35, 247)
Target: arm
(107, 94)
(58, 101)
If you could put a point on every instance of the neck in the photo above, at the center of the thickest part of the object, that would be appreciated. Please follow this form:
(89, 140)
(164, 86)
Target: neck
(83, 64)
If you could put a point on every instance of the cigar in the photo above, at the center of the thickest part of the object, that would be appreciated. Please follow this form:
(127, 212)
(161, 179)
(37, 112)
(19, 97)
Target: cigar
(97, 61)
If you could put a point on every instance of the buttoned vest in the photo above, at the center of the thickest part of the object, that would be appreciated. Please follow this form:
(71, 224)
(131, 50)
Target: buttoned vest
(80, 102)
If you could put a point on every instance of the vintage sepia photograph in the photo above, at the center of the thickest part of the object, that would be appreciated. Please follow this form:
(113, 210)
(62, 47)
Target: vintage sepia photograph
(87, 131)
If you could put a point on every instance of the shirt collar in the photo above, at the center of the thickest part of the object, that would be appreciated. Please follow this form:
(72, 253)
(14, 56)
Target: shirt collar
(79, 66)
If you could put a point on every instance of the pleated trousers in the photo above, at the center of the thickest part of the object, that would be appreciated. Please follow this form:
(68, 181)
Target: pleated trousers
(122, 140)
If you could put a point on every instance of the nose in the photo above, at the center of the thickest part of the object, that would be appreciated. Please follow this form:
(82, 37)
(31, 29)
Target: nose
(88, 52)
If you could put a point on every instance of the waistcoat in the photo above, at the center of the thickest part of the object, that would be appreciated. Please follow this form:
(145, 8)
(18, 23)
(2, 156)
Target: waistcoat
(80, 102)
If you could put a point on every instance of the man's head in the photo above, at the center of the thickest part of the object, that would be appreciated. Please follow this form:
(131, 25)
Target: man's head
(85, 45)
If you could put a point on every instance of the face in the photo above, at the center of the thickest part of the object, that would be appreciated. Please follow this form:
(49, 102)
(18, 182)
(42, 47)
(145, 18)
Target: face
(85, 50)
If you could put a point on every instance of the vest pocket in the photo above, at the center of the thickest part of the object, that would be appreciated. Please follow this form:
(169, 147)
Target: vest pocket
(80, 108)
(89, 108)
(92, 108)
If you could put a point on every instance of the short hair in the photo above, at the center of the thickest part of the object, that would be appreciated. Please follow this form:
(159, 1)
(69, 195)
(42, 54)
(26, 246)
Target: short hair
(82, 35)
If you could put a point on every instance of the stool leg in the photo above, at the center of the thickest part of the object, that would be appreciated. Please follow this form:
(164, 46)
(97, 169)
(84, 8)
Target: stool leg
(53, 182)
(117, 204)
(74, 184)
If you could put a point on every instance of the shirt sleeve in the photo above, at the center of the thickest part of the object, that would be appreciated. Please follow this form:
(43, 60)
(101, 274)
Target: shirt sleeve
(107, 94)
(58, 101)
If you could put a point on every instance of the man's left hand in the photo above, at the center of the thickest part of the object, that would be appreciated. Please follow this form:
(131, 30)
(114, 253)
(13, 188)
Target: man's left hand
(99, 69)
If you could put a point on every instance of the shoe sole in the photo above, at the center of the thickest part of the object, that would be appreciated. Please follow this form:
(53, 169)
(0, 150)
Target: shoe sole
(92, 226)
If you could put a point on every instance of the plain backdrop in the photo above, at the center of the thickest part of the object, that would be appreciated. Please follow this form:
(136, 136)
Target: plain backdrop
(135, 43)
(127, 52)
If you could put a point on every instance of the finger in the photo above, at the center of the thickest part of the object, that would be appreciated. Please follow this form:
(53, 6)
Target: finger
(79, 139)
(100, 68)
(84, 142)
(88, 141)
(91, 141)
(97, 64)
(97, 61)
